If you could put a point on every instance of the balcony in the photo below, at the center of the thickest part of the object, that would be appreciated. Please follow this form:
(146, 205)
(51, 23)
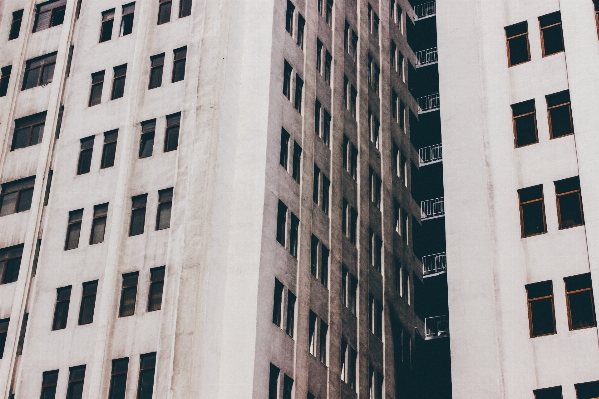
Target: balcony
(431, 154)
(425, 10)
(432, 208)
(428, 103)
(436, 327)
(426, 57)
(433, 265)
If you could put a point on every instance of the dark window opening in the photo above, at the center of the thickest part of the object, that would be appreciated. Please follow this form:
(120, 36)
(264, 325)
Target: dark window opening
(560, 114)
(85, 155)
(95, 96)
(146, 142)
(28, 131)
(180, 58)
(297, 162)
(273, 382)
(61, 310)
(4, 79)
(173, 124)
(147, 368)
(73, 229)
(569, 203)
(109, 149)
(294, 235)
(39, 71)
(3, 333)
(581, 305)
(524, 123)
(99, 224)
(164, 11)
(156, 288)
(49, 383)
(15, 26)
(118, 378)
(10, 263)
(118, 82)
(88, 302)
(127, 19)
(289, 17)
(277, 307)
(128, 294)
(76, 380)
(532, 211)
(165, 206)
(156, 69)
(281, 223)
(49, 14)
(107, 25)
(299, 87)
(552, 38)
(16, 196)
(138, 214)
(287, 70)
(287, 387)
(518, 49)
(284, 153)
(541, 314)
(184, 8)
(290, 324)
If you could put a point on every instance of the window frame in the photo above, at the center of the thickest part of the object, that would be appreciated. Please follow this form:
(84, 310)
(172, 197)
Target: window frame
(61, 308)
(128, 286)
(542, 200)
(107, 25)
(172, 132)
(89, 294)
(109, 149)
(165, 205)
(507, 41)
(17, 186)
(514, 117)
(588, 289)
(74, 224)
(6, 255)
(119, 75)
(552, 25)
(179, 63)
(41, 62)
(15, 25)
(156, 66)
(157, 277)
(167, 14)
(136, 210)
(549, 117)
(563, 194)
(97, 84)
(529, 302)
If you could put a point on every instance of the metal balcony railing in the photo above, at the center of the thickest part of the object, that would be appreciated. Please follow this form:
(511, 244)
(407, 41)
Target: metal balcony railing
(425, 10)
(436, 327)
(428, 103)
(431, 154)
(426, 57)
(432, 208)
(433, 265)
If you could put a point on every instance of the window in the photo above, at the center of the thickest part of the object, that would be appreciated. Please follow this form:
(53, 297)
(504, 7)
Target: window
(375, 189)
(314, 255)
(3, 332)
(287, 70)
(297, 162)
(277, 307)
(351, 42)
(349, 221)
(107, 25)
(375, 384)
(290, 325)
(146, 141)
(118, 378)
(569, 203)
(524, 123)
(95, 96)
(552, 38)
(532, 211)
(373, 22)
(549, 393)
(67, 73)
(39, 71)
(320, 194)
(348, 364)
(118, 82)
(405, 285)
(376, 318)
(299, 87)
(317, 112)
(10, 263)
(48, 187)
(312, 333)
(328, 60)
(85, 155)
(49, 382)
(324, 265)
(156, 288)
(325, 8)
(349, 289)
(16, 196)
(281, 223)
(541, 314)
(147, 367)
(49, 14)
(587, 390)
(15, 26)
(301, 23)
(73, 229)
(88, 302)
(289, 17)
(127, 19)
(165, 205)
(294, 235)
(375, 251)
(326, 126)
(61, 310)
(284, 155)
(273, 382)
(518, 50)
(394, 106)
(373, 73)
(373, 128)
(351, 98)
(324, 329)
(180, 55)
(138, 214)
(310, 396)
(4, 79)
(560, 114)
(350, 157)
(579, 295)
(156, 69)
(171, 139)
(98, 224)
(76, 380)
(395, 12)
(109, 149)
(128, 294)
(164, 11)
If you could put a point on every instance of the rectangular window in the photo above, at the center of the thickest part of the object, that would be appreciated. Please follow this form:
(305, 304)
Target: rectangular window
(88, 302)
(301, 23)
(560, 114)
(394, 106)
(107, 25)
(569, 203)
(287, 70)
(99, 224)
(4, 79)
(3, 332)
(349, 222)
(73, 229)
(351, 42)
(299, 87)
(297, 162)
(405, 285)
(273, 382)
(375, 384)
(156, 288)
(118, 82)
(15, 25)
(49, 14)
(375, 189)
(138, 214)
(541, 314)
(294, 235)
(281, 223)
(373, 22)
(127, 20)
(39, 71)
(277, 307)
(326, 126)
(109, 149)
(118, 378)
(373, 128)
(348, 364)
(532, 211)
(376, 318)
(156, 69)
(173, 125)
(552, 38)
(518, 49)
(180, 58)
(324, 202)
(128, 294)
(316, 186)
(373, 73)
(317, 112)
(328, 60)
(165, 206)
(324, 265)
(350, 157)
(290, 325)
(146, 141)
(549, 393)
(581, 305)
(525, 123)
(312, 333)
(164, 11)
(184, 8)
(587, 390)
(323, 332)
(284, 154)
(289, 17)
(85, 155)
(95, 96)
(314, 255)
(16, 196)
(147, 368)
(61, 309)
(375, 251)
(49, 383)
(10, 263)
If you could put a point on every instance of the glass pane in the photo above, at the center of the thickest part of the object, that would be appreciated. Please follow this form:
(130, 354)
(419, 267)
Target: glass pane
(570, 210)
(86, 315)
(179, 70)
(553, 41)
(526, 132)
(31, 78)
(561, 123)
(156, 77)
(533, 219)
(155, 302)
(542, 317)
(47, 74)
(75, 390)
(9, 204)
(49, 393)
(146, 384)
(518, 50)
(582, 313)
(118, 386)
(172, 139)
(57, 16)
(98, 228)
(164, 216)
(128, 301)
(73, 236)
(11, 273)
(108, 155)
(146, 145)
(96, 94)
(118, 88)
(36, 134)
(25, 200)
(138, 218)
(164, 13)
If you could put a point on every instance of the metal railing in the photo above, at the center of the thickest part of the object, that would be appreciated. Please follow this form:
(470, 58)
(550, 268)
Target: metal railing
(428, 103)
(431, 154)
(434, 264)
(436, 327)
(425, 10)
(426, 57)
(432, 208)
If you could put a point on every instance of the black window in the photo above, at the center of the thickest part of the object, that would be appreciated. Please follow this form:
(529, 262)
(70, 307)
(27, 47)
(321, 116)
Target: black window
(289, 17)
(301, 23)
(319, 48)
(10, 263)
(549, 393)
(118, 82)
(147, 367)
(323, 331)
(314, 243)
(164, 11)
(541, 315)
(294, 235)
(61, 310)
(171, 139)
(552, 38)
(376, 317)
(518, 50)
(184, 8)
(290, 325)
(99, 224)
(273, 382)
(138, 214)
(373, 127)
(532, 211)
(85, 155)
(48, 187)
(15, 26)
(373, 22)
(277, 307)
(560, 114)
(328, 60)
(284, 154)
(48, 14)
(39, 71)
(350, 157)
(312, 333)
(324, 265)
(95, 95)
(581, 305)
(76, 380)
(524, 123)
(107, 25)
(326, 126)
(297, 162)
(349, 289)
(109, 149)
(299, 87)
(4, 79)
(310, 396)
(587, 390)
(376, 247)
(156, 288)
(375, 189)
(118, 378)
(127, 19)
(287, 70)
(16, 196)
(569, 203)
(165, 206)
(156, 69)
(349, 219)
(3, 332)
(128, 294)
(88, 302)
(146, 142)
(73, 229)
(281, 223)
(180, 57)
(49, 382)
(317, 112)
